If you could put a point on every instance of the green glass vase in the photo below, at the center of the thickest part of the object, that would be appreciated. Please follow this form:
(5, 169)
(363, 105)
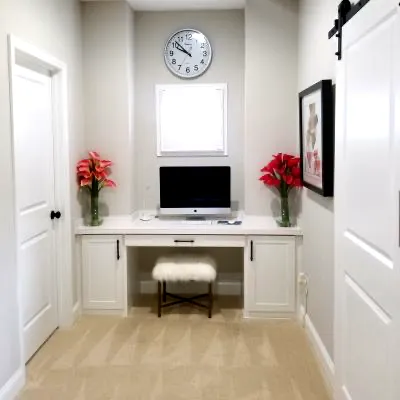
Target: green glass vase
(284, 220)
(94, 204)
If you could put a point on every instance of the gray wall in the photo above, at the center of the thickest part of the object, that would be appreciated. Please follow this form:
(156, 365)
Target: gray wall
(271, 94)
(317, 61)
(225, 30)
(108, 87)
(55, 27)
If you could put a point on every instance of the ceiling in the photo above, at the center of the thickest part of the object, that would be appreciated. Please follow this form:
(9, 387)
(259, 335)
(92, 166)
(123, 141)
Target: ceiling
(166, 5)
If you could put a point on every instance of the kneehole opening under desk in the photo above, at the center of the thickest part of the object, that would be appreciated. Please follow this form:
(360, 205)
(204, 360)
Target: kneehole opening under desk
(228, 287)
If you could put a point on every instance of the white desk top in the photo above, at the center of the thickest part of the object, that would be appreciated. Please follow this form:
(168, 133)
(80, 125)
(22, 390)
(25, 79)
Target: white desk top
(132, 225)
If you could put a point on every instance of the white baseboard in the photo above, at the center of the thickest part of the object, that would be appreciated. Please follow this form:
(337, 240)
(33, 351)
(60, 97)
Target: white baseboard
(224, 287)
(324, 360)
(14, 385)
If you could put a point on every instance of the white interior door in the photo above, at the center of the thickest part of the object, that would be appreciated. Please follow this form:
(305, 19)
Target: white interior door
(34, 180)
(367, 200)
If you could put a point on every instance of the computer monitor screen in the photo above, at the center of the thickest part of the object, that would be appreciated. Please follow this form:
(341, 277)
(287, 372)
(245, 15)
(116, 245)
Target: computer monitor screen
(195, 190)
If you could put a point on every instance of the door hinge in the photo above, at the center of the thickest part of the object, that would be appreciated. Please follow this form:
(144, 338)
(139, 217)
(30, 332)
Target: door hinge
(251, 251)
(118, 255)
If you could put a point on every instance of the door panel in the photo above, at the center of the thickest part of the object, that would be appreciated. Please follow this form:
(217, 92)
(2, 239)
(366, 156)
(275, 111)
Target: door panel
(367, 256)
(270, 276)
(369, 140)
(34, 181)
(366, 339)
(102, 273)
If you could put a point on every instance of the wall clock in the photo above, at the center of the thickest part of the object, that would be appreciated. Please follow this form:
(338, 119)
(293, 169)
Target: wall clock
(188, 53)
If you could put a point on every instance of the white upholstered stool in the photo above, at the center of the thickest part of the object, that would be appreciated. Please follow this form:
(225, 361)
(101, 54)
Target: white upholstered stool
(184, 268)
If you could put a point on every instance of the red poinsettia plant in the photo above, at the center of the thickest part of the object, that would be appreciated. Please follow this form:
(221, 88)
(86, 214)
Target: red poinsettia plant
(283, 172)
(93, 172)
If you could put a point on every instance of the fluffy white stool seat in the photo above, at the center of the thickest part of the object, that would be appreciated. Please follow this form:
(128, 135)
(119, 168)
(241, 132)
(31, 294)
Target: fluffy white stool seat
(183, 268)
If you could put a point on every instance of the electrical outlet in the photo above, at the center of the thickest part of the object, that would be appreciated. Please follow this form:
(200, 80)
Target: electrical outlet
(303, 279)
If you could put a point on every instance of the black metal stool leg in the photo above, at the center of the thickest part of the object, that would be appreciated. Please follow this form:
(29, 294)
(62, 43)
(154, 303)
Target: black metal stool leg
(210, 299)
(159, 299)
(164, 296)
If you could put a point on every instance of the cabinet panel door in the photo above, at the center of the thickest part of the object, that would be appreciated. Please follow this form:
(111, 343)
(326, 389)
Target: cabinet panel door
(102, 273)
(270, 275)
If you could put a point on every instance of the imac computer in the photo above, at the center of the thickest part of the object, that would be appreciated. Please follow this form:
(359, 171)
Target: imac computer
(195, 191)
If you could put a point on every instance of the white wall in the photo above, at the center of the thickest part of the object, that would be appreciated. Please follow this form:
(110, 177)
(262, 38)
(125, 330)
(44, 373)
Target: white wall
(317, 62)
(108, 88)
(225, 30)
(271, 93)
(55, 27)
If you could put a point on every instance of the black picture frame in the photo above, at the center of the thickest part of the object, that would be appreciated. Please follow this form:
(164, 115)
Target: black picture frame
(317, 163)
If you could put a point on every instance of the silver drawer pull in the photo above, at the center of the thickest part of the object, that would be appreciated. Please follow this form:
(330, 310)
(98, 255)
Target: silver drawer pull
(183, 241)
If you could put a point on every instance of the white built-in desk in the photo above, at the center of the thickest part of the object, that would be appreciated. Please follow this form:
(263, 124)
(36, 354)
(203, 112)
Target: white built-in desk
(270, 259)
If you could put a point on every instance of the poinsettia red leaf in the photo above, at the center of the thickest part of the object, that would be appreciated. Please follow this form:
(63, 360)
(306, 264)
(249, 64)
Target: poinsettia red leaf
(297, 182)
(294, 162)
(100, 175)
(268, 168)
(269, 180)
(105, 163)
(86, 182)
(83, 163)
(94, 155)
(296, 172)
(109, 183)
(281, 171)
(85, 175)
(99, 168)
(286, 157)
(264, 177)
(289, 179)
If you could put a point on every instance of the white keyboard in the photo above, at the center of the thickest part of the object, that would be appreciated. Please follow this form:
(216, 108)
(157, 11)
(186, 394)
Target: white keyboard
(195, 222)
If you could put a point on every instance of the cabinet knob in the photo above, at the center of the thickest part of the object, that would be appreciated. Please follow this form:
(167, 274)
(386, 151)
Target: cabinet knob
(55, 214)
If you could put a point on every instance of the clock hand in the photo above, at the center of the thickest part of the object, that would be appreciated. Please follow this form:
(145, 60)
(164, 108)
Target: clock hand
(182, 49)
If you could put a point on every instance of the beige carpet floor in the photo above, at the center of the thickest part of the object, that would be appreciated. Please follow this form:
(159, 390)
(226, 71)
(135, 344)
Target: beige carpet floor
(181, 356)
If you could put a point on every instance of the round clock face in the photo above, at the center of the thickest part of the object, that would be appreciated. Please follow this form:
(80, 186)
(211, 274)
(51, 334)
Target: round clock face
(188, 53)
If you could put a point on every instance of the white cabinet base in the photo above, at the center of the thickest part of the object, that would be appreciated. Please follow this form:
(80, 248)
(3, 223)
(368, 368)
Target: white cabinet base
(270, 276)
(109, 282)
(103, 272)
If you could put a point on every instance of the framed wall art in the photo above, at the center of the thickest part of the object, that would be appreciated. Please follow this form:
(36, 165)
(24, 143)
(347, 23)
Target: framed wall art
(317, 137)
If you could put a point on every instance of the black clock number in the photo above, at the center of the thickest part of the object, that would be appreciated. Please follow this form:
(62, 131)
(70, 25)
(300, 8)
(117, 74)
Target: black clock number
(171, 53)
(203, 45)
(179, 67)
(189, 36)
(202, 62)
(187, 70)
(196, 68)
(205, 53)
(180, 38)
(173, 61)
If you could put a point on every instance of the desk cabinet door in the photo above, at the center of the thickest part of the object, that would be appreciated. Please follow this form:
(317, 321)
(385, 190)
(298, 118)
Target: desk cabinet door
(270, 274)
(102, 272)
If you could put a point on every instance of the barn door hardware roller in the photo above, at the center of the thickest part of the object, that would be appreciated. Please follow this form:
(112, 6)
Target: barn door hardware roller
(346, 11)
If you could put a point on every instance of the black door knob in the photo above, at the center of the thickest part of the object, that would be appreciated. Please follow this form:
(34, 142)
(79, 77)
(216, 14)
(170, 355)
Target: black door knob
(55, 214)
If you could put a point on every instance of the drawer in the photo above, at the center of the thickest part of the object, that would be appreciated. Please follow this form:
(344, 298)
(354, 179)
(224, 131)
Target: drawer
(185, 241)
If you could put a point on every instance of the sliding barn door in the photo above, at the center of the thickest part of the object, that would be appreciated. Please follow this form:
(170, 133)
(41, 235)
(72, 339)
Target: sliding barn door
(367, 333)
